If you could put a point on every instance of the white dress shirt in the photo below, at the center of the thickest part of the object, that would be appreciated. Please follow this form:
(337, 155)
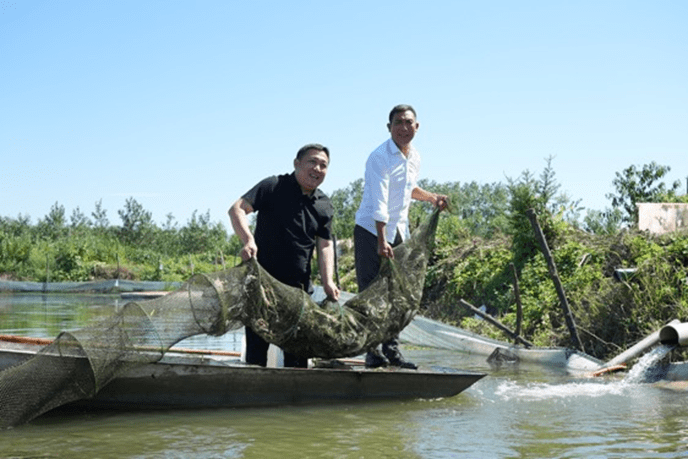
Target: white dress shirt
(390, 177)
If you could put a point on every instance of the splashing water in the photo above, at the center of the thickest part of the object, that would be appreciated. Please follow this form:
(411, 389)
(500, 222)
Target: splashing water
(642, 370)
(542, 391)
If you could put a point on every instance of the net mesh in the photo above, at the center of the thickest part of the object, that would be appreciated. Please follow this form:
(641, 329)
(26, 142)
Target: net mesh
(80, 363)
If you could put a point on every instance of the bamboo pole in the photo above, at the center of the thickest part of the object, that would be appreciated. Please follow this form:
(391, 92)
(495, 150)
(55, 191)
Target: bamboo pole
(47, 273)
(179, 350)
(495, 322)
(519, 306)
(570, 323)
(336, 262)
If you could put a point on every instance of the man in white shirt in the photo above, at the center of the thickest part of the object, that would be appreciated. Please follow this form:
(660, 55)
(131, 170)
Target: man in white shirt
(391, 176)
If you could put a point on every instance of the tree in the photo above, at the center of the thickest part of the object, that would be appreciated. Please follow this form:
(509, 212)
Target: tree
(541, 195)
(346, 202)
(78, 219)
(99, 215)
(480, 207)
(54, 224)
(200, 236)
(56, 217)
(137, 223)
(605, 222)
(170, 223)
(16, 226)
(635, 185)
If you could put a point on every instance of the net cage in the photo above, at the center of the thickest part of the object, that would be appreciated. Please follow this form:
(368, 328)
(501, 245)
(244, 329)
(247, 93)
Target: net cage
(80, 363)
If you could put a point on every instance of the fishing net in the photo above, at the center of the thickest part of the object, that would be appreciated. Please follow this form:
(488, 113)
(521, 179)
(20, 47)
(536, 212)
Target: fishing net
(80, 363)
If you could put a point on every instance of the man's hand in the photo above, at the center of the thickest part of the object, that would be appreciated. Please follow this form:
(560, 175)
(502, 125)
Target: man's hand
(332, 290)
(440, 200)
(249, 250)
(238, 217)
(384, 249)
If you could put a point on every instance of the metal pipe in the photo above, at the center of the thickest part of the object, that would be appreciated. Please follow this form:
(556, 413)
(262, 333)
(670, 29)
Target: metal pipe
(639, 348)
(674, 334)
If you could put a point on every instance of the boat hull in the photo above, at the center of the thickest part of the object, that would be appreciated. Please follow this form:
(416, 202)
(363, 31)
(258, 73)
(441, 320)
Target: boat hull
(193, 381)
(165, 386)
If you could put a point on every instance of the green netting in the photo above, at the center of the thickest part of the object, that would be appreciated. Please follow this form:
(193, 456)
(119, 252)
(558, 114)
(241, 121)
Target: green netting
(78, 364)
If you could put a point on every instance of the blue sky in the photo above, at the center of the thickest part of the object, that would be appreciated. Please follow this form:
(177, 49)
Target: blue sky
(184, 105)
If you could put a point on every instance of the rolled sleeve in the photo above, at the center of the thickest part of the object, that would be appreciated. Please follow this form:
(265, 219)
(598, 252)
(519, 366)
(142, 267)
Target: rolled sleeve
(378, 179)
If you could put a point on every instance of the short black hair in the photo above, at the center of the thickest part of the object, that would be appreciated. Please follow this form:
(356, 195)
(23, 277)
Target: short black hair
(312, 146)
(401, 108)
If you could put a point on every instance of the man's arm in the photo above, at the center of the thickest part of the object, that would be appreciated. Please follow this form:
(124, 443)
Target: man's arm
(238, 217)
(384, 249)
(326, 267)
(437, 200)
(377, 181)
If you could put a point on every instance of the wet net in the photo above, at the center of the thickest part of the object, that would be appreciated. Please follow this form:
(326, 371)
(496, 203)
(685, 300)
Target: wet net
(80, 363)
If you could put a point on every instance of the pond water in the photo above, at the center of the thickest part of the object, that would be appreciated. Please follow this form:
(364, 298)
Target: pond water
(517, 411)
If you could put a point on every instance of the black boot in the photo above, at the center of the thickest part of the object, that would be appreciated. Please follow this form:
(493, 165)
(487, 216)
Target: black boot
(375, 360)
(391, 350)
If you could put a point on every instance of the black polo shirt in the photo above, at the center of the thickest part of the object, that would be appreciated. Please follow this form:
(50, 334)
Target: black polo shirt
(288, 222)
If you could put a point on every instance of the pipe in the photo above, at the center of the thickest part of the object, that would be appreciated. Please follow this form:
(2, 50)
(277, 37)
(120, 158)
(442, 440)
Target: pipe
(674, 334)
(640, 347)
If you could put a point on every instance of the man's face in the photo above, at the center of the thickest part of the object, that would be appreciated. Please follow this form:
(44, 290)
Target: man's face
(403, 128)
(311, 169)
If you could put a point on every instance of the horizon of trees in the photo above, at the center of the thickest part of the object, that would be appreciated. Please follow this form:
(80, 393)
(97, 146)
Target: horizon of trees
(481, 206)
(478, 210)
(633, 185)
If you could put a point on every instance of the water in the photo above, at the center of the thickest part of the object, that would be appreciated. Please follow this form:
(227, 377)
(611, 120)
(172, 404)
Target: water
(642, 369)
(515, 412)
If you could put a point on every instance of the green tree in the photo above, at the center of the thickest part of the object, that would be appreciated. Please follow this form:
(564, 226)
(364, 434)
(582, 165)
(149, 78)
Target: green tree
(78, 220)
(167, 239)
(137, 223)
(607, 222)
(99, 215)
(346, 202)
(16, 226)
(541, 195)
(200, 235)
(15, 250)
(53, 226)
(634, 185)
(481, 207)
(57, 216)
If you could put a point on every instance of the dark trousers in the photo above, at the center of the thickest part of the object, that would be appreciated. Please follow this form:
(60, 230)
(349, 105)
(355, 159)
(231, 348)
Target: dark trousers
(368, 261)
(366, 257)
(257, 352)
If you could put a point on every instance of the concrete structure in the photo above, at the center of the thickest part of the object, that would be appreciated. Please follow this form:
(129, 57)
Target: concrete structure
(661, 218)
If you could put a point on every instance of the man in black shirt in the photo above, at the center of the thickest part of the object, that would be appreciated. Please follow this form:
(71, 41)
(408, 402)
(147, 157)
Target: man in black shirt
(294, 217)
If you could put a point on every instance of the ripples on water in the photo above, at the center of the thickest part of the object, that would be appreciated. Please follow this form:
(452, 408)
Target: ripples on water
(517, 411)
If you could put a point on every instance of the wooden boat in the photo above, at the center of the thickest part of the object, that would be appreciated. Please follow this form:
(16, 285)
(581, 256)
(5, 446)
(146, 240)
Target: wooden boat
(203, 379)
